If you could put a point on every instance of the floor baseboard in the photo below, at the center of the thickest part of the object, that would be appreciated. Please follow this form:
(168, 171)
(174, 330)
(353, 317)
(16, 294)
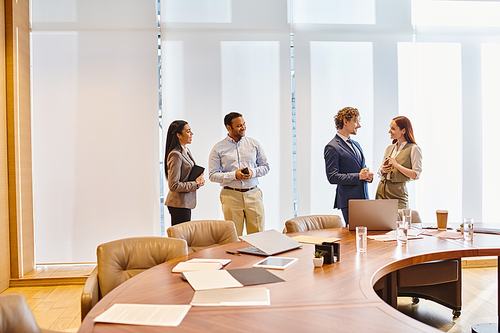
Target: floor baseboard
(479, 262)
(47, 282)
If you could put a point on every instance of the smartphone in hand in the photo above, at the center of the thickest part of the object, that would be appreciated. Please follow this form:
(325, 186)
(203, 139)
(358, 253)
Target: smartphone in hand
(245, 171)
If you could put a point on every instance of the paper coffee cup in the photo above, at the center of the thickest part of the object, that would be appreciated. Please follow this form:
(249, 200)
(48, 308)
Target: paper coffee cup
(442, 219)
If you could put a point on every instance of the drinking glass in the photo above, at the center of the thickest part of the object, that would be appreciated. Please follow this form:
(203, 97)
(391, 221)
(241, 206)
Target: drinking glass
(468, 228)
(407, 217)
(361, 237)
(402, 232)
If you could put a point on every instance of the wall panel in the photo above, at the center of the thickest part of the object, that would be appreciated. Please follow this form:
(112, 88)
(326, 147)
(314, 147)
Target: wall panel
(4, 185)
(19, 136)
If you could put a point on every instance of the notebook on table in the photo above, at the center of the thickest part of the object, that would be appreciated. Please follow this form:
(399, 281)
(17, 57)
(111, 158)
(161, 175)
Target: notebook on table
(379, 214)
(268, 243)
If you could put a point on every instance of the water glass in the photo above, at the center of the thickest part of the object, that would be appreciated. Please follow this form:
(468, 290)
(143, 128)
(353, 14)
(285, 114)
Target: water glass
(402, 232)
(361, 237)
(407, 215)
(468, 228)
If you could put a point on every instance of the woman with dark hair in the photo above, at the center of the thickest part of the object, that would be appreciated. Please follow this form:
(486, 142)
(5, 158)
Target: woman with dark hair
(402, 162)
(178, 164)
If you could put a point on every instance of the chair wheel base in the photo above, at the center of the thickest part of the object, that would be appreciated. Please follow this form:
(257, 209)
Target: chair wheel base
(415, 300)
(456, 313)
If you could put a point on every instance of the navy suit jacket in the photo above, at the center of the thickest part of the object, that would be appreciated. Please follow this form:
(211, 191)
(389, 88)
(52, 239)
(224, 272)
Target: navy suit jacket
(342, 168)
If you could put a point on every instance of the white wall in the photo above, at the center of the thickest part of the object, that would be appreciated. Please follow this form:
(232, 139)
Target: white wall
(95, 120)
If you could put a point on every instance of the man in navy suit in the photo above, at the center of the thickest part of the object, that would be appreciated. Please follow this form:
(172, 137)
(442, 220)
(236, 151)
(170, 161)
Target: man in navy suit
(345, 162)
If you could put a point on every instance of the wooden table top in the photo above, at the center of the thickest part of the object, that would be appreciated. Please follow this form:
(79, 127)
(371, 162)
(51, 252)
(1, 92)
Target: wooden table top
(339, 296)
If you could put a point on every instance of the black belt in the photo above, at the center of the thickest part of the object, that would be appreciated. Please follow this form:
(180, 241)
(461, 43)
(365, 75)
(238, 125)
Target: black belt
(239, 189)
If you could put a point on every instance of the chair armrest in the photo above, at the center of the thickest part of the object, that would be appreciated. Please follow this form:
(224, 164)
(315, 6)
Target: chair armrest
(90, 293)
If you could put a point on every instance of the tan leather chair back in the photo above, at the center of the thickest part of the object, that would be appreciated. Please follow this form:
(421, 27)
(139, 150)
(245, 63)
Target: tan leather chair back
(201, 235)
(312, 222)
(119, 260)
(16, 315)
(415, 216)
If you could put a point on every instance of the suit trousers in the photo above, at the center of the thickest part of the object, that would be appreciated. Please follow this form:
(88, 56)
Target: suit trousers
(241, 207)
(179, 215)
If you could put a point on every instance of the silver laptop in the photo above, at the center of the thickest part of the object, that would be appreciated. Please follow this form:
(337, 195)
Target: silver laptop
(268, 243)
(374, 214)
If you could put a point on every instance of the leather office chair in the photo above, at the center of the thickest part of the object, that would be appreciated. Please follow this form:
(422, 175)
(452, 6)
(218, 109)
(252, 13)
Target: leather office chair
(439, 281)
(120, 260)
(203, 234)
(415, 216)
(16, 316)
(312, 222)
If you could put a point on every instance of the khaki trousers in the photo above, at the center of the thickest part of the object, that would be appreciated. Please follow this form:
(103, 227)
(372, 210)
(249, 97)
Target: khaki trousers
(389, 190)
(244, 206)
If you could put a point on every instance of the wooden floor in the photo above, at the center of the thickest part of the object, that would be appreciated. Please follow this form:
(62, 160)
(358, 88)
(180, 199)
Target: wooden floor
(58, 307)
(59, 271)
(55, 307)
(479, 303)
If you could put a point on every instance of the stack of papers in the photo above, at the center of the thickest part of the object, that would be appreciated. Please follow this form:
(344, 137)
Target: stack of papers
(200, 265)
(223, 262)
(205, 280)
(232, 278)
(392, 235)
(314, 240)
(232, 297)
(144, 314)
(444, 234)
(213, 288)
(196, 266)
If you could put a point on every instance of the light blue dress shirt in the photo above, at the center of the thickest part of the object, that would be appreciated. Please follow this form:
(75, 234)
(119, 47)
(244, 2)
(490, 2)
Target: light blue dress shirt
(227, 156)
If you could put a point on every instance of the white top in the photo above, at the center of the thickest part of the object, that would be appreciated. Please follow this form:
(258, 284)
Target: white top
(415, 156)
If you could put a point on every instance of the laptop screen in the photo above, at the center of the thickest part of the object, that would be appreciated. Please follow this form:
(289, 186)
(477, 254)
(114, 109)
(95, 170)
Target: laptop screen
(379, 214)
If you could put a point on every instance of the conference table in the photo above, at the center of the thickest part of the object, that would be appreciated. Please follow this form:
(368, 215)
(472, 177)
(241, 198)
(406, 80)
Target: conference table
(336, 297)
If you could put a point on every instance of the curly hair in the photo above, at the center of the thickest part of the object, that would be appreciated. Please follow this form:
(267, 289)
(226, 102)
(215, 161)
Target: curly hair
(346, 113)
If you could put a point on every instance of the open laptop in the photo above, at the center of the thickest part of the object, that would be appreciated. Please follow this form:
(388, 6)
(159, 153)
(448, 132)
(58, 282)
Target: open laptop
(268, 243)
(379, 214)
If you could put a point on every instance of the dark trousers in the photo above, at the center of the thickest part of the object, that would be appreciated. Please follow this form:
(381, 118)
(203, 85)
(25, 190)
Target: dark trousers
(345, 213)
(179, 215)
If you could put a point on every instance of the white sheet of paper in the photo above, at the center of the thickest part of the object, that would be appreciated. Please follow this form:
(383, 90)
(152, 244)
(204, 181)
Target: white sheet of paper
(144, 314)
(203, 280)
(223, 262)
(314, 240)
(186, 266)
(392, 235)
(232, 297)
